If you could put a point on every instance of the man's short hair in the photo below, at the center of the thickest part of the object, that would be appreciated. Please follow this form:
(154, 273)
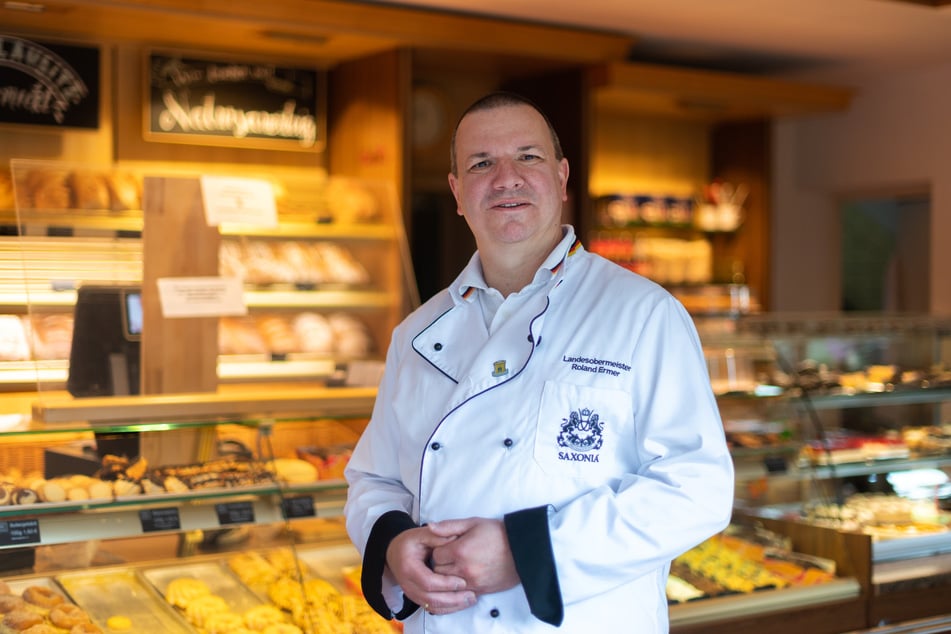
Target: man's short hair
(499, 99)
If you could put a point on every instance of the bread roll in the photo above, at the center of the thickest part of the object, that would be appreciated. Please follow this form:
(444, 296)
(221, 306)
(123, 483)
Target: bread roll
(125, 191)
(90, 190)
(46, 189)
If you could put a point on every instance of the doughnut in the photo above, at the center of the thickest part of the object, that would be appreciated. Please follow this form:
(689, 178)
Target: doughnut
(6, 494)
(11, 602)
(22, 618)
(42, 596)
(67, 615)
(4, 588)
(86, 628)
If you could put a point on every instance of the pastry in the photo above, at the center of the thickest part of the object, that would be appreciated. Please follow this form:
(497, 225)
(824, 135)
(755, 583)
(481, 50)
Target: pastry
(67, 616)
(314, 333)
(6, 494)
(42, 628)
(100, 490)
(259, 617)
(24, 496)
(125, 191)
(4, 588)
(53, 491)
(46, 189)
(86, 628)
(42, 596)
(21, 619)
(278, 334)
(183, 590)
(294, 471)
(14, 345)
(90, 190)
(200, 609)
(240, 336)
(223, 623)
(174, 485)
(77, 494)
(123, 487)
(11, 602)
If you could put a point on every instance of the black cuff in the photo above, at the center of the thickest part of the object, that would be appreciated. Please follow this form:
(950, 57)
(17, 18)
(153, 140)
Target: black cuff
(387, 527)
(530, 542)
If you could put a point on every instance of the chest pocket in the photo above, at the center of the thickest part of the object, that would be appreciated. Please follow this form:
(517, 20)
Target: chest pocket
(584, 432)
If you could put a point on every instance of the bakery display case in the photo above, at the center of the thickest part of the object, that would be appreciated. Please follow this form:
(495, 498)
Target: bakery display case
(323, 287)
(840, 440)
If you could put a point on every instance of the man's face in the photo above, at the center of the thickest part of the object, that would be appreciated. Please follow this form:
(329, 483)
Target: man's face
(509, 186)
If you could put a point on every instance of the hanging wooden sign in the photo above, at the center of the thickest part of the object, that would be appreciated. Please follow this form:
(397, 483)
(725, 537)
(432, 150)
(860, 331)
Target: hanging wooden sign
(48, 84)
(238, 104)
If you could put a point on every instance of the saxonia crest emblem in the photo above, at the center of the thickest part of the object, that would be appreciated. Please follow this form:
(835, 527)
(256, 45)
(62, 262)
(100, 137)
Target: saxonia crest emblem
(581, 431)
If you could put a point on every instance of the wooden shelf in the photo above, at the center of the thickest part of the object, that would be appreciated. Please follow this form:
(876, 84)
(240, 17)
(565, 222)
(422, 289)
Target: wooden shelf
(707, 95)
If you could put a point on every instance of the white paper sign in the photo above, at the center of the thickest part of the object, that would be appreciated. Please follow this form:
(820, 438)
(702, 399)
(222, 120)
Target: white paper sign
(201, 297)
(245, 201)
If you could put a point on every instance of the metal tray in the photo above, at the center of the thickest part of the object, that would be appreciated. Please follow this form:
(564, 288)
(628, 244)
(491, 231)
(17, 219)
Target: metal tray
(220, 580)
(111, 592)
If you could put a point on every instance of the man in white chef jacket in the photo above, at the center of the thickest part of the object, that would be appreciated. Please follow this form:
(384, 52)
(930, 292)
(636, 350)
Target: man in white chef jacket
(545, 439)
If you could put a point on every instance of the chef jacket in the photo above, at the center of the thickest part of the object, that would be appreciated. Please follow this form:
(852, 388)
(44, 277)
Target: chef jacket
(585, 421)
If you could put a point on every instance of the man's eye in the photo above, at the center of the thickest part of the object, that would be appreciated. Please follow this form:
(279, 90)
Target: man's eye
(530, 157)
(479, 165)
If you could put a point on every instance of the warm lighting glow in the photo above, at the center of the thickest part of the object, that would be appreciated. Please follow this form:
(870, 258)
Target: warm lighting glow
(30, 7)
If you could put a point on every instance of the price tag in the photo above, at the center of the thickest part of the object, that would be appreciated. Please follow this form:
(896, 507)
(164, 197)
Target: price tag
(20, 532)
(201, 297)
(775, 464)
(235, 513)
(165, 519)
(300, 506)
(239, 200)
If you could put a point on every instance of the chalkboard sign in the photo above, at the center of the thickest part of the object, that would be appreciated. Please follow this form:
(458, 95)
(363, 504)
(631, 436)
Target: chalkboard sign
(48, 84)
(237, 104)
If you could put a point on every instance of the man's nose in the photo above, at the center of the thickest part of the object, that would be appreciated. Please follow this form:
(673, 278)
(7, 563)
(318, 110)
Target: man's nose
(508, 175)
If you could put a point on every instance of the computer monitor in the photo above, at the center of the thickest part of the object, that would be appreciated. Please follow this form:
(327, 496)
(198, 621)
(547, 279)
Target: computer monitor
(107, 331)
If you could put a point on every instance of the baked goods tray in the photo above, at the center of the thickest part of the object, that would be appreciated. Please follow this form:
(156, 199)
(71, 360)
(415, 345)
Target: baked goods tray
(215, 575)
(331, 563)
(107, 593)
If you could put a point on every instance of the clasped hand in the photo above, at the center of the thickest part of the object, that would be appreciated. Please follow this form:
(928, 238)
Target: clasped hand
(445, 565)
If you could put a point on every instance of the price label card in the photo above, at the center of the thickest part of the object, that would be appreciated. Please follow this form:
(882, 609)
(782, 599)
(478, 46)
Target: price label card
(235, 513)
(165, 519)
(201, 297)
(20, 532)
(299, 506)
(245, 201)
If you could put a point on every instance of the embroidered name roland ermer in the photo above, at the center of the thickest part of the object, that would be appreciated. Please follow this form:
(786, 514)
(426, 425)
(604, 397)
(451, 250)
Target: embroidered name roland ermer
(582, 433)
(597, 366)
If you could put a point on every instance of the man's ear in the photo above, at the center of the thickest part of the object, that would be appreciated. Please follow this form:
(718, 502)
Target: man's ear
(453, 183)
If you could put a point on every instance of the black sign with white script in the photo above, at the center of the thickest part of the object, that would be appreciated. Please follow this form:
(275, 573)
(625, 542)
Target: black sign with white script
(48, 84)
(19, 532)
(208, 102)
